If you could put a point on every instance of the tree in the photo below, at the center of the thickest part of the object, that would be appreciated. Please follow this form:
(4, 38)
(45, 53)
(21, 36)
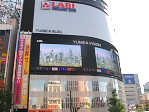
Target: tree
(5, 99)
(115, 104)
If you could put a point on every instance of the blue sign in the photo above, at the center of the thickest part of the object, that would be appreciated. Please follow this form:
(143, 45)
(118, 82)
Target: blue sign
(129, 78)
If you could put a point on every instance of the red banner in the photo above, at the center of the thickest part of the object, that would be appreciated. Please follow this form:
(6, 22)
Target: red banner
(18, 81)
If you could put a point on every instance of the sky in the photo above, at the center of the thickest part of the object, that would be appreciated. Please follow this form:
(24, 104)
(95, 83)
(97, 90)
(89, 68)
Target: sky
(131, 23)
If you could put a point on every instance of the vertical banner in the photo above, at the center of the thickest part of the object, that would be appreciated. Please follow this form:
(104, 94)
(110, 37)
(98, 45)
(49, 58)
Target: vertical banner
(19, 64)
(25, 74)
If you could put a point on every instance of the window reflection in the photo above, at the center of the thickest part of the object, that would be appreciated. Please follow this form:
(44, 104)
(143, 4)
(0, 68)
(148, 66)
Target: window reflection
(57, 86)
(91, 93)
(54, 103)
(37, 103)
(103, 86)
(59, 103)
(53, 86)
(37, 85)
(95, 85)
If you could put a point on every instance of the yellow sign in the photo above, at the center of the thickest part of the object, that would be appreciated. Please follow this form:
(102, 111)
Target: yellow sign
(25, 75)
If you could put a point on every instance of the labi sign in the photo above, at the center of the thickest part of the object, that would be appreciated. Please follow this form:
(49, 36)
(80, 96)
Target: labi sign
(58, 6)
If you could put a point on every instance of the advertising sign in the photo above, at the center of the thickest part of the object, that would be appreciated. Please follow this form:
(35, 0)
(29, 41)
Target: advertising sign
(58, 6)
(25, 74)
(60, 55)
(131, 104)
(4, 40)
(129, 78)
(4, 56)
(106, 59)
(18, 82)
(22, 71)
(72, 54)
(1, 84)
(53, 17)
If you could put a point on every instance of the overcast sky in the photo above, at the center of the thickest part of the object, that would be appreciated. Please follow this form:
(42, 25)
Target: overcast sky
(131, 21)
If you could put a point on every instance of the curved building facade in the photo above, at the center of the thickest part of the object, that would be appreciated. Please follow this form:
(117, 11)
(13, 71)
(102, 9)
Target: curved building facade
(74, 65)
(89, 93)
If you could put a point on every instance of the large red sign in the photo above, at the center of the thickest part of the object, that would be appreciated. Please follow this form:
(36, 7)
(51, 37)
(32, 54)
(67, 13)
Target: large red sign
(17, 94)
(60, 6)
(1, 84)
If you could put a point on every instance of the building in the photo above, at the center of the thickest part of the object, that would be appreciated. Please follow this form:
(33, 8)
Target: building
(8, 37)
(145, 100)
(66, 58)
(145, 96)
(146, 87)
(132, 90)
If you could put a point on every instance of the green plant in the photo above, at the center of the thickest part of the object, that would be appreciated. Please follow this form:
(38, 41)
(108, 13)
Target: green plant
(115, 104)
(5, 100)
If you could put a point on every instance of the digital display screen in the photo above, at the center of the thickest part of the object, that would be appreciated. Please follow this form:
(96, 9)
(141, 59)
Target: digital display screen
(106, 59)
(60, 55)
(64, 54)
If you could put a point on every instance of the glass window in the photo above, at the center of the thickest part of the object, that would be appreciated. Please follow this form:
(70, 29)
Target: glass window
(51, 92)
(37, 85)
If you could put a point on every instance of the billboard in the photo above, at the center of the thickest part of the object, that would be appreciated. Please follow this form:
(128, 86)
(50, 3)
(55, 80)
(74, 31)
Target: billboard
(73, 54)
(106, 59)
(53, 17)
(22, 69)
(131, 104)
(60, 55)
(129, 78)
(18, 80)
(25, 73)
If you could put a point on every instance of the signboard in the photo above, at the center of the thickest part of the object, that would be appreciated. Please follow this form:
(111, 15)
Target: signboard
(4, 41)
(72, 54)
(58, 6)
(131, 104)
(129, 78)
(25, 75)
(69, 20)
(22, 71)
(1, 84)
(4, 56)
(18, 80)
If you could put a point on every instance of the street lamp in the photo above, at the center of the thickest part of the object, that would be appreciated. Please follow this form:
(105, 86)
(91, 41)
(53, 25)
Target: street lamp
(70, 101)
(74, 109)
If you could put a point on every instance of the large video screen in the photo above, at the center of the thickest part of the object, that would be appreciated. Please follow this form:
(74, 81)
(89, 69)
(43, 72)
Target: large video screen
(106, 59)
(60, 55)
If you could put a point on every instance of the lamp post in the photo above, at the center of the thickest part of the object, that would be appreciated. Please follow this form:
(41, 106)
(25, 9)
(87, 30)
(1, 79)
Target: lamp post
(75, 109)
(70, 101)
